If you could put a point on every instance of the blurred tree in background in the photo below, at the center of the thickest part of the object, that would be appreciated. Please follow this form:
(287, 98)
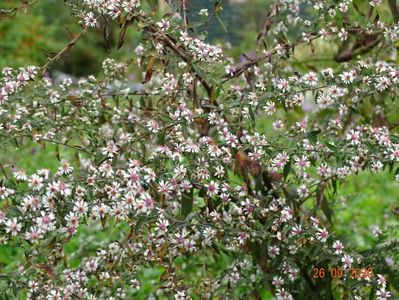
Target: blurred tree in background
(43, 28)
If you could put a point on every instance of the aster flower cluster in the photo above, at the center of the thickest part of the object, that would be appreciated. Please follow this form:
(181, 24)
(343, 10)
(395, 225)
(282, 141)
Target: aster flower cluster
(112, 8)
(201, 50)
(15, 80)
(178, 174)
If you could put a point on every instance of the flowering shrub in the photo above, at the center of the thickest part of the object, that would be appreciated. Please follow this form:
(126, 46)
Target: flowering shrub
(208, 160)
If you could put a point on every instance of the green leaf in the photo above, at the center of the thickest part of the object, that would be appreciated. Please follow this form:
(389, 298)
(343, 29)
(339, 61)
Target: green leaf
(358, 10)
(334, 185)
(117, 102)
(139, 223)
(287, 169)
(252, 115)
(161, 138)
(354, 110)
(187, 203)
(100, 159)
(114, 161)
(143, 148)
(2, 169)
(14, 289)
(57, 152)
(325, 207)
(397, 171)
(331, 146)
(259, 183)
(214, 95)
(372, 292)
(142, 102)
(77, 159)
(313, 136)
(16, 142)
(319, 196)
(221, 24)
(198, 71)
(327, 288)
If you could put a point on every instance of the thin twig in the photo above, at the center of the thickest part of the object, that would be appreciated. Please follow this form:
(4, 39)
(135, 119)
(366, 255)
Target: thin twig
(62, 51)
(67, 145)
(157, 35)
(268, 23)
(14, 11)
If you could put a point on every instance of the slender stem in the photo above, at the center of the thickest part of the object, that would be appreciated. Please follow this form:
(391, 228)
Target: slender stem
(155, 34)
(63, 51)
(5, 12)
(67, 145)
(268, 23)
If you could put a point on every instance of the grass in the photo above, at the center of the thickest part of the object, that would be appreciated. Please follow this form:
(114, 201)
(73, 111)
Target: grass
(370, 199)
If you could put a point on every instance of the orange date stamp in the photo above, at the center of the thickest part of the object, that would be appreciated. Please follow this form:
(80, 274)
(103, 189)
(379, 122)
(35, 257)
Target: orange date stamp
(338, 273)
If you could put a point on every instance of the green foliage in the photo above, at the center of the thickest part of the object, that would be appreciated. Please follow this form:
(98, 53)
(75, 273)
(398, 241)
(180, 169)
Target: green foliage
(44, 28)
